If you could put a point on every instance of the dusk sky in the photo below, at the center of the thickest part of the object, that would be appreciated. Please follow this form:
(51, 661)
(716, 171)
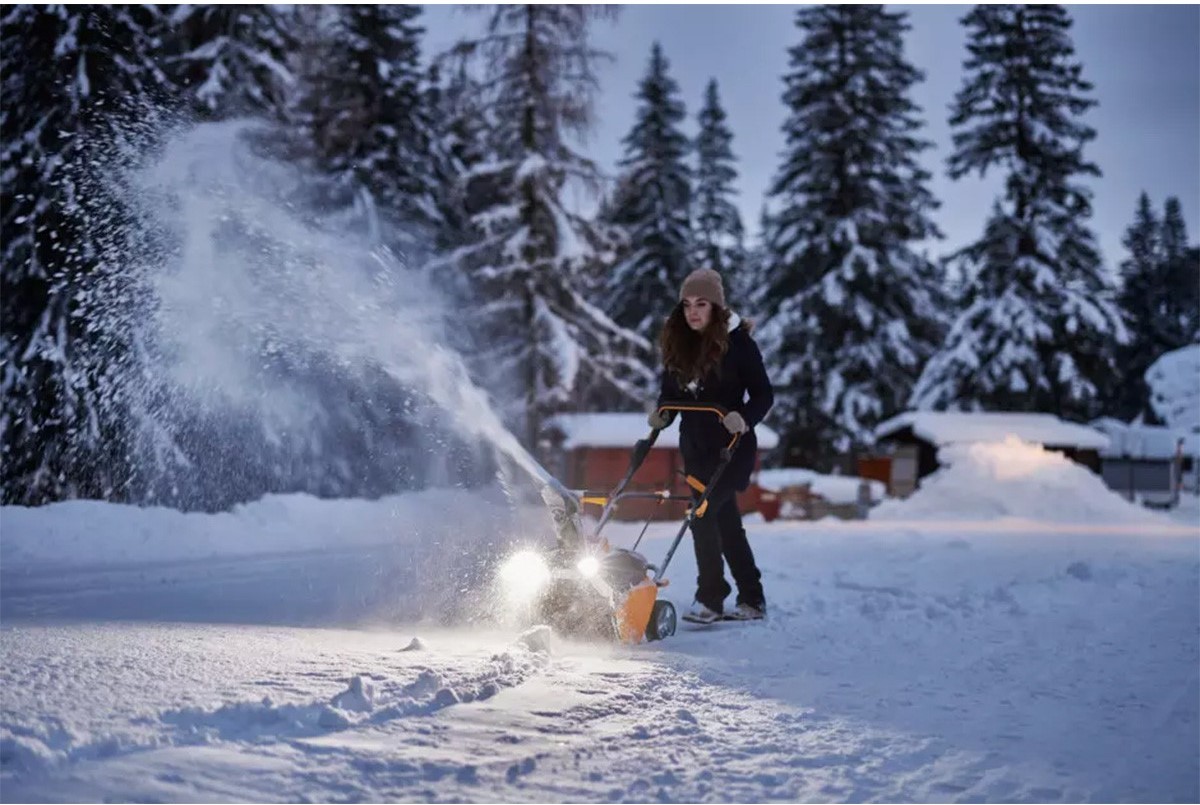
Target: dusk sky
(1144, 63)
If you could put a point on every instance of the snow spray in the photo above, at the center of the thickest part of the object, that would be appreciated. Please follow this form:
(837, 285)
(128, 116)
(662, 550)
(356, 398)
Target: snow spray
(242, 290)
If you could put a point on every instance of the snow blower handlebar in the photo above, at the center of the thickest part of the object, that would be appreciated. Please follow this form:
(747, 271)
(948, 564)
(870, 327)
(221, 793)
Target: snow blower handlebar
(699, 507)
(640, 451)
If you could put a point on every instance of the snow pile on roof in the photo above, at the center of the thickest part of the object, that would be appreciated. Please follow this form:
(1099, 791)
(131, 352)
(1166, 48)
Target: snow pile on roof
(624, 430)
(1174, 381)
(956, 427)
(1153, 442)
(834, 488)
(1013, 479)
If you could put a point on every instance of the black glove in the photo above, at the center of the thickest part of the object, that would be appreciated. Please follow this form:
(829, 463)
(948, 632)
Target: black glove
(660, 419)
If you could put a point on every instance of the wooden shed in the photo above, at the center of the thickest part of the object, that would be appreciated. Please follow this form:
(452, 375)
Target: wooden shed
(1151, 462)
(595, 450)
(913, 439)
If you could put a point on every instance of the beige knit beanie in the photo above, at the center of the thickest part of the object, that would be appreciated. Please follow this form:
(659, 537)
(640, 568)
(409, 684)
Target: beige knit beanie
(704, 283)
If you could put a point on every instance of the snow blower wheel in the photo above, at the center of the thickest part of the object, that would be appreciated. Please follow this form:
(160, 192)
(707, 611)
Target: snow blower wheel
(662, 621)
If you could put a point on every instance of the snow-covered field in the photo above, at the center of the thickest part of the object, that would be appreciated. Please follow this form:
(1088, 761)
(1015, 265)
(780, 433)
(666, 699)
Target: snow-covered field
(305, 650)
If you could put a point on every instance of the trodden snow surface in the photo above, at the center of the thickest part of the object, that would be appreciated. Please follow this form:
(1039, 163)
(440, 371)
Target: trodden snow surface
(1009, 660)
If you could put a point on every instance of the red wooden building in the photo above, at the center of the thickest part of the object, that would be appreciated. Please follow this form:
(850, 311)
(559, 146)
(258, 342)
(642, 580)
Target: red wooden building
(595, 451)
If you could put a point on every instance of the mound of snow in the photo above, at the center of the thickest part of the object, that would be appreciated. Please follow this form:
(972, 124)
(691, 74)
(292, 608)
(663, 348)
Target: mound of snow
(359, 696)
(991, 480)
(95, 533)
(1174, 381)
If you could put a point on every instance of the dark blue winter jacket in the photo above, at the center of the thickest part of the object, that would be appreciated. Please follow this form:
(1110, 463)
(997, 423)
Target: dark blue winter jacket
(739, 384)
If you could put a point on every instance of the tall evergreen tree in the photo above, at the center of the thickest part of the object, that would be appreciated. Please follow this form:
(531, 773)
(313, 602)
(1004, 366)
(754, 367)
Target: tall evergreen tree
(1181, 276)
(536, 336)
(1038, 327)
(71, 77)
(651, 206)
(851, 308)
(719, 235)
(364, 107)
(459, 125)
(233, 60)
(1140, 300)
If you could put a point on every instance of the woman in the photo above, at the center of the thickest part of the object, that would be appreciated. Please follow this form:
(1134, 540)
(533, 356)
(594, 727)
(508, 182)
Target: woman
(709, 356)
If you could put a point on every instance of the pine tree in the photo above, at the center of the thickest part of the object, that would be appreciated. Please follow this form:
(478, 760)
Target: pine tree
(364, 109)
(719, 234)
(536, 336)
(651, 207)
(852, 310)
(459, 125)
(1181, 276)
(1038, 328)
(233, 60)
(1140, 300)
(75, 79)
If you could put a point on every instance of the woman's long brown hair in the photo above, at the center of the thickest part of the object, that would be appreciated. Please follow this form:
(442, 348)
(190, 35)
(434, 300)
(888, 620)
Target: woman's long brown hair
(690, 355)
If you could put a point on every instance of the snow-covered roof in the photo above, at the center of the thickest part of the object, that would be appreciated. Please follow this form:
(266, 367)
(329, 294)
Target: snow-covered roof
(624, 430)
(834, 488)
(1154, 442)
(956, 427)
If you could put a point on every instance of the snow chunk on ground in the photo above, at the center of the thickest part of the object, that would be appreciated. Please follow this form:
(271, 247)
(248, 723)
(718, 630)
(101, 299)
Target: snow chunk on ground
(536, 639)
(991, 480)
(359, 696)
(416, 644)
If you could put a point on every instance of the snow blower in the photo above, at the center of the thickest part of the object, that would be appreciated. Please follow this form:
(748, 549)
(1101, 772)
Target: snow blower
(587, 587)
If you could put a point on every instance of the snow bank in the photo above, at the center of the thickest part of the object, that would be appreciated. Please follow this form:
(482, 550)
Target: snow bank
(1174, 381)
(834, 488)
(991, 480)
(96, 533)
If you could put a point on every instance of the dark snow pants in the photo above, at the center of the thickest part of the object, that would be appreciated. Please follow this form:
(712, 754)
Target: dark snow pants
(720, 533)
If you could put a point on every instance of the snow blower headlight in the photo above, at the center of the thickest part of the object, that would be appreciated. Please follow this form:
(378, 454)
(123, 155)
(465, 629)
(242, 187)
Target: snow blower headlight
(523, 575)
(588, 566)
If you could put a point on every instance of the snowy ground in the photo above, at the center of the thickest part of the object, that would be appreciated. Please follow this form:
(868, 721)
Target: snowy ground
(1001, 660)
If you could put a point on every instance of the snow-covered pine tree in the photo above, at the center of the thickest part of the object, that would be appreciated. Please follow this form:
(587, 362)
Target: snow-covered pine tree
(233, 59)
(538, 341)
(651, 206)
(718, 234)
(459, 125)
(748, 284)
(851, 310)
(363, 106)
(1140, 301)
(1038, 328)
(1181, 275)
(72, 77)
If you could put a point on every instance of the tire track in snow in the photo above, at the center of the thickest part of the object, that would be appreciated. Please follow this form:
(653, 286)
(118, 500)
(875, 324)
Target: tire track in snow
(369, 699)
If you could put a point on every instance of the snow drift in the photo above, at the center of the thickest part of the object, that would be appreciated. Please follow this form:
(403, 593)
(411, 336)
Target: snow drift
(1013, 478)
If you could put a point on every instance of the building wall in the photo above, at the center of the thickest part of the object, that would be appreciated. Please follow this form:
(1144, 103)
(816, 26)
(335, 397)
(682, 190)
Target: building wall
(1131, 475)
(599, 469)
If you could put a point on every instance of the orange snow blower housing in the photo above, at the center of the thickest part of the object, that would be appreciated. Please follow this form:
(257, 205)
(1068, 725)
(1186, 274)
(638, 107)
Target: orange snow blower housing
(622, 577)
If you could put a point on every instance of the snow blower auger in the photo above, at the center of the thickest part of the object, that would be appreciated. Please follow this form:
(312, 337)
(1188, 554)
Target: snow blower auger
(586, 587)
